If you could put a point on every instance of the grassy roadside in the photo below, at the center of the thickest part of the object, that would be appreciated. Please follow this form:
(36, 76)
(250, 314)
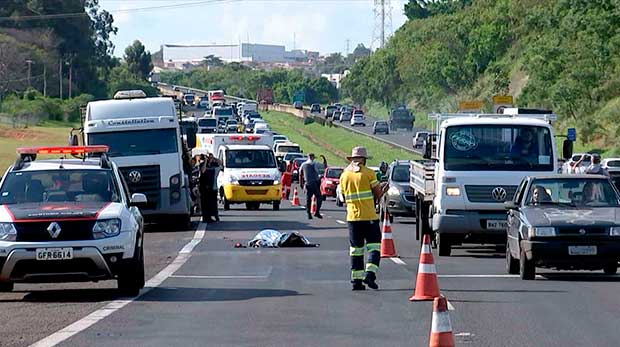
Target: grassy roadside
(54, 134)
(334, 143)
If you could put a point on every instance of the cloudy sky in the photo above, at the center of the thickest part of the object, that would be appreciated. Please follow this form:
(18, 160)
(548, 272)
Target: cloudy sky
(318, 25)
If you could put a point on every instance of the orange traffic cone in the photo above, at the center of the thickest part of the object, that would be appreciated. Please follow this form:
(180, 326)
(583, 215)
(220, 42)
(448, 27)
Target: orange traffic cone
(426, 285)
(441, 327)
(313, 205)
(387, 242)
(295, 201)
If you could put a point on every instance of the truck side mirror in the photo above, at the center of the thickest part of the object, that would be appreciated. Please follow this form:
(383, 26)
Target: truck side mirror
(73, 140)
(427, 149)
(567, 149)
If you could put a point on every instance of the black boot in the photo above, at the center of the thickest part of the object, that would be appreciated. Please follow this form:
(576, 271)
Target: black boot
(370, 280)
(358, 285)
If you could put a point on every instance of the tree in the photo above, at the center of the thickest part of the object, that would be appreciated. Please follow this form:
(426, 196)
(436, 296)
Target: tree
(138, 59)
(212, 61)
(121, 78)
(361, 51)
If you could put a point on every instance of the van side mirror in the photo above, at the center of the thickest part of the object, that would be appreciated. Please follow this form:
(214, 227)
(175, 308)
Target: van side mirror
(427, 148)
(567, 149)
(138, 200)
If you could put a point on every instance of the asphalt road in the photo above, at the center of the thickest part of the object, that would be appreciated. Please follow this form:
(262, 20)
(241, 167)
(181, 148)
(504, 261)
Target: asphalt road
(226, 296)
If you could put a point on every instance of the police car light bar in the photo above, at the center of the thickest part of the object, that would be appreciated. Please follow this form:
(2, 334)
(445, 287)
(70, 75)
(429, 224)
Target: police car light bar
(63, 150)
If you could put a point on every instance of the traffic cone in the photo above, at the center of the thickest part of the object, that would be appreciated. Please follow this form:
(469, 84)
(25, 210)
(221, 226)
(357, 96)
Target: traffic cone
(313, 205)
(388, 249)
(295, 201)
(426, 285)
(441, 327)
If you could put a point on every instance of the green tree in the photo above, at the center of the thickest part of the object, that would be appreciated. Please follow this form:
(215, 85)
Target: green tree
(212, 61)
(138, 59)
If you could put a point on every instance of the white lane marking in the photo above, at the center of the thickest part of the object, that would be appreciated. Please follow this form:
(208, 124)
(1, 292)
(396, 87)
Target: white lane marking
(91, 319)
(398, 261)
(340, 222)
(216, 277)
(450, 307)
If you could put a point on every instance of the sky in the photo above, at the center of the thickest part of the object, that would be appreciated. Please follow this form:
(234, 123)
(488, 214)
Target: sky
(316, 25)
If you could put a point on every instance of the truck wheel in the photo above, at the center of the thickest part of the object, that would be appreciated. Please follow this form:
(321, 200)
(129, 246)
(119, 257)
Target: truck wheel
(443, 244)
(6, 287)
(512, 266)
(131, 278)
(611, 269)
(527, 269)
(276, 206)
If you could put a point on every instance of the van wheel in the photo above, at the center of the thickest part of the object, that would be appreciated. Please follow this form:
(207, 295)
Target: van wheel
(276, 206)
(443, 244)
(6, 287)
(512, 266)
(527, 269)
(131, 279)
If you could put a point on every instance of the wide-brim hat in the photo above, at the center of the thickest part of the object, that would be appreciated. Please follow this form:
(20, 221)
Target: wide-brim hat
(359, 152)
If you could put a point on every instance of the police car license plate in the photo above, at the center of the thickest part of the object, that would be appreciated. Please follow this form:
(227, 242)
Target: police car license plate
(497, 225)
(582, 250)
(54, 253)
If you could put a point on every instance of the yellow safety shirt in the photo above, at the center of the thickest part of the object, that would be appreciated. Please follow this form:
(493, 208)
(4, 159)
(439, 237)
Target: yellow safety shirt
(356, 188)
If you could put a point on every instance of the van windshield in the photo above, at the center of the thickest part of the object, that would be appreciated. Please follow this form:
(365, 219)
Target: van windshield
(138, 142)
(498, 148)
(250, 159)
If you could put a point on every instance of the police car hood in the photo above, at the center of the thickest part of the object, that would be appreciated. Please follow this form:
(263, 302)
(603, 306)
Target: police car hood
(55, 210)
(570, 216)
(256, 174)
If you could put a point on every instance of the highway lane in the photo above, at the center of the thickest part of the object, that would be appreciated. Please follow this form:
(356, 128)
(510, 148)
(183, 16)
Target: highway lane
(297, 297)
(33, 311)
(400, 137)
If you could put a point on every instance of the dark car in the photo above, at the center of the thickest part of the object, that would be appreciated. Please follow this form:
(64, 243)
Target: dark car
(315, 109)
(298, 105)
(399, 200)
(565, 222)
(380, 126)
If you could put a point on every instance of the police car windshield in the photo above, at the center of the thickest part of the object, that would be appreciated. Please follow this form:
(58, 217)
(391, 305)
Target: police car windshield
(140, 142)
(59, 186)
(248, 159)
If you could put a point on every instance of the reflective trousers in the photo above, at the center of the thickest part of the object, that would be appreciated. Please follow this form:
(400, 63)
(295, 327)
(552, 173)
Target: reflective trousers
(364, 235)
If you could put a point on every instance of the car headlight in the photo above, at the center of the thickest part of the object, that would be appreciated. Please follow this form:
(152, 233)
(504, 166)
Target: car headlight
(614, 231)
(106, 228)
(7, 232)
(275, 182)
(393, 191)
(233, 180)
(542, 231)
(453, 191)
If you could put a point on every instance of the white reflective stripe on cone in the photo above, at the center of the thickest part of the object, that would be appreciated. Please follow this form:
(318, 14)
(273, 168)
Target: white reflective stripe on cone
(441, 323)
(426, 249)
(387, 236)
(427, 269)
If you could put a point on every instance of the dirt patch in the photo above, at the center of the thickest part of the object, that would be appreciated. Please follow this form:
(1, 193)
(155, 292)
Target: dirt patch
(25, 134)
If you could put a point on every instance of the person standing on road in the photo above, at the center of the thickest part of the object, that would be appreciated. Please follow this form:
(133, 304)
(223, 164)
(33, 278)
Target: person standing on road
(309, 180)
(209, 169)
(361, 189)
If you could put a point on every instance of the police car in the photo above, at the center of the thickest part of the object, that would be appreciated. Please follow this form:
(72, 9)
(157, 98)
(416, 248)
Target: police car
(69, 220)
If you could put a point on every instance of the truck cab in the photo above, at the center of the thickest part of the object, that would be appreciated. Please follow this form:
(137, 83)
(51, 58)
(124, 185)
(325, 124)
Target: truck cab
(401, 118)
(473, 164)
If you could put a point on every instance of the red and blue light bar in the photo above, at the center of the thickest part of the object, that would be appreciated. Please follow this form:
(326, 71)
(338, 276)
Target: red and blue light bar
(63, 149)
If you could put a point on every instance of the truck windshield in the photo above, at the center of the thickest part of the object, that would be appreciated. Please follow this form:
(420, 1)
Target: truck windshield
(250, 159)
(223, 112)
(139, 142)
(498, 148)
(400, 114)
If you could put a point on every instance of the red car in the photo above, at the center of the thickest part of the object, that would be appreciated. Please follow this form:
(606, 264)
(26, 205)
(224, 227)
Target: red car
(330, 180)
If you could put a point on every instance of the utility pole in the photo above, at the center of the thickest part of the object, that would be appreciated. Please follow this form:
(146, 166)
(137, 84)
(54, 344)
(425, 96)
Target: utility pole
(70, 78)
(44, 79)
(60, 78)
(29, 62)
(348, 42)
(294, 41)
(383, 23)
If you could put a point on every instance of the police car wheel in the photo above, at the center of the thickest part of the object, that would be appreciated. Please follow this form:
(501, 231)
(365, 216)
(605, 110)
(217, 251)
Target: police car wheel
(6, 287)
(131, 279)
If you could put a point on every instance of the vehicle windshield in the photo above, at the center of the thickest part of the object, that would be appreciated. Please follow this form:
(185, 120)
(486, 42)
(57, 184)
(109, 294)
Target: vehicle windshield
(286, 149)
(279, 138)
(211, 122)
(189, 97)
(59, 186)
(381, 124)
(613, 163)
(248, 159)
(291, 156)
(400, 173)
(401, 114)
(138, 142)
(231, 122)
(498, 148)
(576, 192)
(334, 173)
(223, 112)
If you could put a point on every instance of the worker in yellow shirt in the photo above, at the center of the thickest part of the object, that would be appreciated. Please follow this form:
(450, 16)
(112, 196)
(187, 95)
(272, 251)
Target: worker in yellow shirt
(361, 189)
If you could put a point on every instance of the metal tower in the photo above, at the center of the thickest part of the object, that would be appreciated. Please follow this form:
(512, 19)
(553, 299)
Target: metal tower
(383, 23)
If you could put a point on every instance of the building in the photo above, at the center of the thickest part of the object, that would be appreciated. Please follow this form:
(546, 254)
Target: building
(178, 56)
(336, 78)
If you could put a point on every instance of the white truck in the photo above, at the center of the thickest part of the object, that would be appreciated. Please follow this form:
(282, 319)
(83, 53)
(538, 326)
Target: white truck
(249, 173)
(145, 142)
(472, 164)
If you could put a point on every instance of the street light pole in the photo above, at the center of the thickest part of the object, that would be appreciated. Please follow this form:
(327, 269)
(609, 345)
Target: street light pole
(29, 62)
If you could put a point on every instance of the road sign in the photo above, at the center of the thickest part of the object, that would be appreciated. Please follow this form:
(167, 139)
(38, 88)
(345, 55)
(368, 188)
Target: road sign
(299, 95)
(470, 106)
(571, 134)
(501, 102)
